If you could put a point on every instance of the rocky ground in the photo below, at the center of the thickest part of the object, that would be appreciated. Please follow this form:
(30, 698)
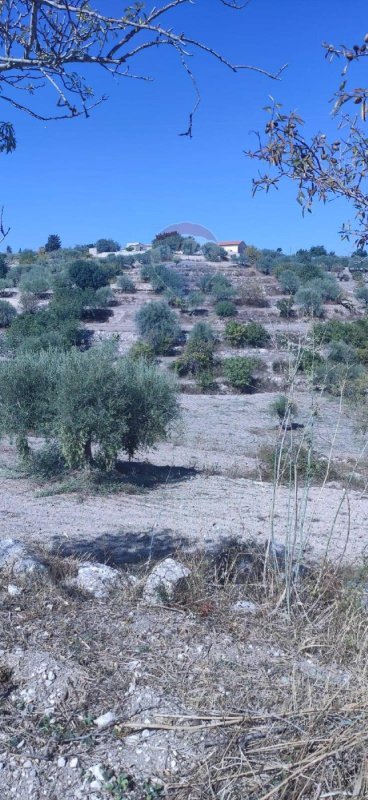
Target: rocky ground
(213, 678)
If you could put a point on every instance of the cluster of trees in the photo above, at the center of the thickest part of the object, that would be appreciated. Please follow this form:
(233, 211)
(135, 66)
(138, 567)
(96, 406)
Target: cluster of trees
(92, 403)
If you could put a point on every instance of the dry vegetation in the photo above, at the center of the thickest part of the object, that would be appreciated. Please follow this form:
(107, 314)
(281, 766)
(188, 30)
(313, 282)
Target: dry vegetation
(210, 700)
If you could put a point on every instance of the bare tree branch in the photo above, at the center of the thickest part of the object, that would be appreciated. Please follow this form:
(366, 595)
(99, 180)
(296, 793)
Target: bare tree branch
(44, 41)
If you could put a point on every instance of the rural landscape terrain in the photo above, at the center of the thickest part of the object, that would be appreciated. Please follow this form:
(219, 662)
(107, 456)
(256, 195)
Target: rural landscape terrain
(184, 418)
(184, 565)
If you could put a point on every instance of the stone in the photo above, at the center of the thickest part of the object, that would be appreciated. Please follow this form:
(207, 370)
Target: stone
(61, 762)
(14, 590)
(73, 763)
(19, 561)
(164, 580)
(244, 607)
(105, 720)
(98, 580)
(97, 772)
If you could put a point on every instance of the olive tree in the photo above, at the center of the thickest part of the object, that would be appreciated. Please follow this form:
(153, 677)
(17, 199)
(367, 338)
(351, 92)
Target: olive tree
(92, 403)
(158, 325)
(27, 390)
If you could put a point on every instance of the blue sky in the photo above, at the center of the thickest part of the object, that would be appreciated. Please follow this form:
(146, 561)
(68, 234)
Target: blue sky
(125, 173)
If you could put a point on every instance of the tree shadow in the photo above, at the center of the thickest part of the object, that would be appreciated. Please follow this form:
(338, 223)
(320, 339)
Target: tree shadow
(146, 475)
(120, 549)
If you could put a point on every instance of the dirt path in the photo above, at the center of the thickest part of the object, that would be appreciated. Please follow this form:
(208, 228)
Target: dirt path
(219, 496)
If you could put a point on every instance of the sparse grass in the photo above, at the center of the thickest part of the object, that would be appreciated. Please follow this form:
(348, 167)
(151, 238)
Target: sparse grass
(268, 704)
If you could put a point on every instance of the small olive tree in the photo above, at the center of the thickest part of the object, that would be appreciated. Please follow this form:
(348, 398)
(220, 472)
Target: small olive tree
(158, 325)
(93, 403)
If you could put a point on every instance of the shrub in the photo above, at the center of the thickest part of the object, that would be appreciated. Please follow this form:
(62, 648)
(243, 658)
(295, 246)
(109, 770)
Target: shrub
(7, 313)
(238, 373)
(225, 308)
(289, 281)
(196, 299)
(3, 265)
(251, 294)
(43, 330)
(142, 350)
(172, 240)
(311, 301)
(29, 302)
(283, 407)
(253, 334)
(48, 462)
(309, 360)
(342, 353)
(362, 294)
(126, 284)
(104, 296)
(158, 325)
(87, 275)
(285, 464)
(354, 333)
(327, 287)
(286, 308)
(190, 246)
(107, 246)
(163, 279)
(213, 252)
(34, 282)
(197, 358)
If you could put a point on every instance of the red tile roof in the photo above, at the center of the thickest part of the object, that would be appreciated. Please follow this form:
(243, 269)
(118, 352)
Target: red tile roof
(224, 244)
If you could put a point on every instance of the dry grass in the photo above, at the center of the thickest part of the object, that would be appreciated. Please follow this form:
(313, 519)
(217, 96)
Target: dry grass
(276, 703)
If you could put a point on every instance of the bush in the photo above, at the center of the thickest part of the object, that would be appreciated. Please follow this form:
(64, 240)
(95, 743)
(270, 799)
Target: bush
(126, 284)
(158, 325)
(142, 350)
(43, 330)
(48, 462)
(87, 275)
(197, 358)
(289, 281)
(104, 296)
(342, 353)
(3, 265)
(286, 308)
(311, 301)
(362, 294)
(251, 294)
(284, 464)
(253, 334)
(238, 373)
(283, 407)
(196, 299)
(163, 279)
(213, 252)
(190, 246)
(34, 282)
(327, 287)
(107, 246)
(309, 361)
(225, 308)
(354, 333)
(7, 313)
(29, 302)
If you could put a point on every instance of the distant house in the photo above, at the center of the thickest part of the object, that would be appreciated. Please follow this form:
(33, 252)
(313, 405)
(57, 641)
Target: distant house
(137, 247)
(235, 248)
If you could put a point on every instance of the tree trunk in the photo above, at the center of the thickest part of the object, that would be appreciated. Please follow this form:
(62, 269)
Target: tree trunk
(88, 452)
